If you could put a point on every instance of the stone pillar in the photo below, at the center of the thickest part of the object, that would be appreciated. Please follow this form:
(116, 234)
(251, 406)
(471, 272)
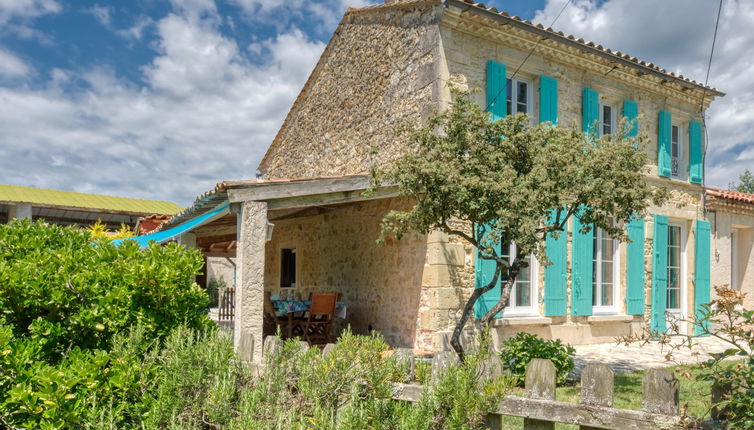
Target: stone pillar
(20, 211)
(250, 259)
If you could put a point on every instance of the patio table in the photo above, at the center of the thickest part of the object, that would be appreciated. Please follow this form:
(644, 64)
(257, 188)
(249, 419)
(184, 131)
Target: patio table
(289, 307)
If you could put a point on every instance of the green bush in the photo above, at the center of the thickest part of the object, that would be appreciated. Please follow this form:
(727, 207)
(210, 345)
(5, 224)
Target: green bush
(519, 350)
(58, 287)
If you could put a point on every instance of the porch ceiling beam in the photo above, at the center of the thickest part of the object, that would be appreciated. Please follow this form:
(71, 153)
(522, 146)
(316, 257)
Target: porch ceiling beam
(330, 198)
(288, 189)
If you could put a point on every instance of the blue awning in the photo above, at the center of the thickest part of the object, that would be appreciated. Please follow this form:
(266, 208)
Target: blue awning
(171, 233)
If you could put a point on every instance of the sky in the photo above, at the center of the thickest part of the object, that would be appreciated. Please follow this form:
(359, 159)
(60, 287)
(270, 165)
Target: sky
(162, 99)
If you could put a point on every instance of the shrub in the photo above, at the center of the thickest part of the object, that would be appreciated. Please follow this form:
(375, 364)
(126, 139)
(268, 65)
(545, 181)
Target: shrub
(519, 350)
(60, 288)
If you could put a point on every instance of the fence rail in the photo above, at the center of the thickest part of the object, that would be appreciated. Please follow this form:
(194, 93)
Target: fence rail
(227, 305)
(540, 410)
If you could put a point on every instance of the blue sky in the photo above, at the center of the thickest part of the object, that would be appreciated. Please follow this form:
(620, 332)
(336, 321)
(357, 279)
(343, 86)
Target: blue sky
(162, 99)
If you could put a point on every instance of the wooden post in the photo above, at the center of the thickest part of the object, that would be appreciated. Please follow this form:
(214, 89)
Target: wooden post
(719, 390)
(270, 345)
(540, 384)
(405, 358)
(327, 349)
(597, 387)
(440, 363)
(661, 392)
(492, 368)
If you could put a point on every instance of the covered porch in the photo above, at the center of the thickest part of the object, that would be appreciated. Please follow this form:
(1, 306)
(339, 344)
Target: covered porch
(332, 229)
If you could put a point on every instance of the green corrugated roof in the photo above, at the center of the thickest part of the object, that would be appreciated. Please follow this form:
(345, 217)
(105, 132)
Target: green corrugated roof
(14, 193)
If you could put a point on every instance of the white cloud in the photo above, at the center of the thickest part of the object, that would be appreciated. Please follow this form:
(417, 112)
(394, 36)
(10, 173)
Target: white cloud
(102, 14)
(11, 66)
(326, 13)
(26, 8)
(677, 36)
(204, 114)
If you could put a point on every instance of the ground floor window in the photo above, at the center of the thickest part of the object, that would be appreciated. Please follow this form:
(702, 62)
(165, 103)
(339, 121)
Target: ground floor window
(605, 279)
(523, 299)
(674, 268)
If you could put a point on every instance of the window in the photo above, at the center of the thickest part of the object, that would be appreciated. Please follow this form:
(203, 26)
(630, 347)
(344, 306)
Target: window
(519, 96)
(675, 151)
(607, 120)
(523, 299)
(288, 268)
(605, 273)
(674, 268)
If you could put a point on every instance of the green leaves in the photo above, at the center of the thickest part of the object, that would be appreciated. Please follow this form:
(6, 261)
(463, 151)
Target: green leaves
(518, 351)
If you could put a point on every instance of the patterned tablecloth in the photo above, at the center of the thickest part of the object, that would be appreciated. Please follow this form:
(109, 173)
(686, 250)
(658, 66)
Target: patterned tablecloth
(283, 307)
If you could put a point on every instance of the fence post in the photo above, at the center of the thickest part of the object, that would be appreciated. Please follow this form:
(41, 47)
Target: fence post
(661, 392)
(540, 384)
(596, 387)
(492, 368)
(270, 345)
(719, 390)
(405, 359)
(440, 362)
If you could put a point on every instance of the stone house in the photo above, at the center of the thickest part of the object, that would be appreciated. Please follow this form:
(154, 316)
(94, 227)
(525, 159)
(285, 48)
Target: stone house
(393, 62)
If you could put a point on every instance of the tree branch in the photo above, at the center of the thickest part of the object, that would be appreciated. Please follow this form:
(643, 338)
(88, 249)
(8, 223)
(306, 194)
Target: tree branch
(513, 270)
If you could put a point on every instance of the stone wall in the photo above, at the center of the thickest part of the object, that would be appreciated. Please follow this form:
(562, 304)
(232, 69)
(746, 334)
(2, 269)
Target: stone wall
(221, 269)
(379, 70)
(723, 221)
(337, 252)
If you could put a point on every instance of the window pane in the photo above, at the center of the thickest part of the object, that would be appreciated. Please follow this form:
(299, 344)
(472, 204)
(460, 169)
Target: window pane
(595, 271)
(607, 294)
(509, 95)
(523, 297)
(607, 120)
(522, 95)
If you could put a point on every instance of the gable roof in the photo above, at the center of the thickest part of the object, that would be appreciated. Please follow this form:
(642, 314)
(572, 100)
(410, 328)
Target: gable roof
(730, 195)
(585, 45)
(70, 199)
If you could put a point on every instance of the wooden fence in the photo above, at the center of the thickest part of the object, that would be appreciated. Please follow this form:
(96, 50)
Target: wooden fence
(540, 410)
(227, 304)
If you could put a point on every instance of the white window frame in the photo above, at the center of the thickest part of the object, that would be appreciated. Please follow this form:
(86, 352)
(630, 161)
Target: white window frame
(598, 309)
(514, 95)
(613, 118)
(681, 167)
(533, 309)
(680, 314)
(734, 260)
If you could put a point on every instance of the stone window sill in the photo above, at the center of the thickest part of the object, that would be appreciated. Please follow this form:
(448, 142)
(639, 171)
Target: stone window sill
(609, 318)
(517, 321)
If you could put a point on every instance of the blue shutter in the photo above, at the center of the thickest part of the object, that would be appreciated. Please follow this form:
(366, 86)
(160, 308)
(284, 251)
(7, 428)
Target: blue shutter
(555, 273)
(658, 321)
(663, 143)
(591, 110)
(631, 112)
(548, 99)
(702, 269)
(582, 269)
(484, 271)
(635, 272)
(496, 89)
(696, 153)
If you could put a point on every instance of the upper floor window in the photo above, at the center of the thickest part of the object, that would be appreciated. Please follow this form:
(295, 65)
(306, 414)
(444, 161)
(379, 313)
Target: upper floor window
(519, 96)
(607, 120)
(676, 146)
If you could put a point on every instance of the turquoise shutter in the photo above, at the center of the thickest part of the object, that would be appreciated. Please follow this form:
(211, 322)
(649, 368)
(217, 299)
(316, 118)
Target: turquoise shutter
(590, 101)
(635, 268)
(548, 99)
(631, 112)
(696, 153)
(663, 143)
(702, 269)
(484, 271)
(555, 274)
(496, 89)
(659, 274)
(582, 269)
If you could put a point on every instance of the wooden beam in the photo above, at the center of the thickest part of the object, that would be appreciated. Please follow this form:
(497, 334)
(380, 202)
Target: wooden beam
(286, 189)
(331, 198)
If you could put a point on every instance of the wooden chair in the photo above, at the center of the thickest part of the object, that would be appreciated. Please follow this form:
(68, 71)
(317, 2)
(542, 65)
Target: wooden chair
(320, 318)
(289, 326)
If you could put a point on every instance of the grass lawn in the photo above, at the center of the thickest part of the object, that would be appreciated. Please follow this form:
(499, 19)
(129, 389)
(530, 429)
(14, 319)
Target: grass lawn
(628, 394)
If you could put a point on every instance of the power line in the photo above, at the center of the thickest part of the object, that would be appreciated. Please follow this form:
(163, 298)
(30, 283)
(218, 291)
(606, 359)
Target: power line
(701, 109)
(504, 87)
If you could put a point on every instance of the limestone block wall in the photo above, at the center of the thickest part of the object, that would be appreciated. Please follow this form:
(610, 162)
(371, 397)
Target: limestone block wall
(723, 221)
(337, 252)
(221, 269)
(379, 70)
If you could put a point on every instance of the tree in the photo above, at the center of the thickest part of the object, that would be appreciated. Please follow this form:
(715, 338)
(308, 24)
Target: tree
(514, 182)
(745, 183)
